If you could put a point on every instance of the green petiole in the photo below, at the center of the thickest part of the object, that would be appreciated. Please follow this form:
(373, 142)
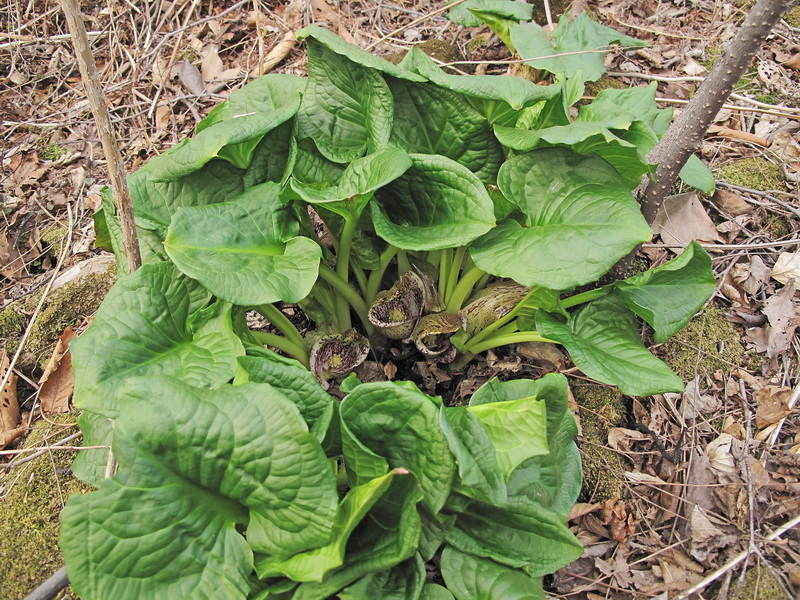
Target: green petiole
(511, 338)
(463, 289)
(281, 322)
(347, 295)
(282, 344)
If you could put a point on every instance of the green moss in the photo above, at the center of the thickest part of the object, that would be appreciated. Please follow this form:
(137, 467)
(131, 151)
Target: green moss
(600, 409)
(711, 56)
(759, 584)
(52, 152)
(753, 173)
(706, 344)
(779, 226)
(793, 17)
(436, 49)
(64, 306)
(32, 498)
(478, 42)
(52, 238)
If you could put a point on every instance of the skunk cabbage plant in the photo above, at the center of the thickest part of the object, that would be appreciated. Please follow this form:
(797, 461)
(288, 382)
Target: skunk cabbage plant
(389, 204)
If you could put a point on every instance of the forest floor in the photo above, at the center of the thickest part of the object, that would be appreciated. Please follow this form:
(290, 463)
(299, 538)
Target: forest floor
(691, 495)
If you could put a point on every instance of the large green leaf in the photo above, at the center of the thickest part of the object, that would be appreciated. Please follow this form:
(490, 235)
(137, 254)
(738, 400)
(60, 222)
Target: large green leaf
(362, 177)
(580, 218)
(436, 204)
(265, 95)
(385, 537)
(233, 139)
(495, 90)
(402, 425)
(472, 578)
(153, 322)
(271, 157)
(603, 340)
(510, 9)
(474, 453)
(314, 564)
(429, 119)
(518, 533)
(668, 296)
(296, 383)
(517, 428)
(552, 480)
(247, 250)
(618, 109)
(346, 108)
(90, 465)
(573, 46)
(584, 138)
(402, 582)
(434, 591)
(193, 465)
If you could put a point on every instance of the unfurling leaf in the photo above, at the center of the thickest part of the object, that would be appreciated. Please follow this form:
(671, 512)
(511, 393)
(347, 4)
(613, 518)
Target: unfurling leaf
(433, 333)
(490, 304)
(337, 354)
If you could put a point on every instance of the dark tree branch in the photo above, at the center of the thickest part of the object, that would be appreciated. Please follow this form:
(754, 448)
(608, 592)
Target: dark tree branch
(686, 133)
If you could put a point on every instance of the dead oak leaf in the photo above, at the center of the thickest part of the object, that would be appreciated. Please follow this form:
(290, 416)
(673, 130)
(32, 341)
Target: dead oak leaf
(618, 520)
(682, 219)
(9, 407)
(57, 382)
(782, 314)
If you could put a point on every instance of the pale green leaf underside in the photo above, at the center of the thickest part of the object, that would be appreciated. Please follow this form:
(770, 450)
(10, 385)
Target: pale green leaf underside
(190, 490)
(245, 251)
(668, 296)
(580, 219)
(696, 174)
(144, 327)
(603, 340)
(436, 204)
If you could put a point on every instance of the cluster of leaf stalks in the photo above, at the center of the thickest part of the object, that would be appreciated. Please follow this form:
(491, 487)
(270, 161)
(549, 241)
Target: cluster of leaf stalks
(454, 213)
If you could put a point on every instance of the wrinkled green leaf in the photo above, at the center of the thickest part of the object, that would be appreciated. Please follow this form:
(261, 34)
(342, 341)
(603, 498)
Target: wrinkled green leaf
(583, 138)
(602, 339)
(580, 219)
(90, 465)
(241, 453)
(152, 323)
(552, 480)
(518, 533)
(510, 9)
(517, 429)
(312, 565)
(402, 582)
(245, 251)
(429, 119)
(436, 204)
(668, 296)
(385, 537)
(472, 578)
(295, 382)
(402, 426)
(346, 108)
(619, 109)
(271, 157)
(578, 45)
(348, 196)
(474, 453)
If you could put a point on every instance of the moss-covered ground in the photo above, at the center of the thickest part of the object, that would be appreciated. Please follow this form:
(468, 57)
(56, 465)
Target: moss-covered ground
(752, 173)
(31, 498)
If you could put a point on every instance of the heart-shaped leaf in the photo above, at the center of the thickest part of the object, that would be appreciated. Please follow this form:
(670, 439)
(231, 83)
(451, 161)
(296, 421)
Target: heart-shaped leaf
(153, 322)
(602, 339)
(247, 250)
(470, 577)
(580, 218)
(436, 204)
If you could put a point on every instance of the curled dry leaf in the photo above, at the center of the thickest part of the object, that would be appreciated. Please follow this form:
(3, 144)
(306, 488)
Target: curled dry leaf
(337, 354)
(490, 304)
(782, 314)
(9, 407)
(772, 405)
(57, 382)
(732, 203)
(787, 267)
(619, 521)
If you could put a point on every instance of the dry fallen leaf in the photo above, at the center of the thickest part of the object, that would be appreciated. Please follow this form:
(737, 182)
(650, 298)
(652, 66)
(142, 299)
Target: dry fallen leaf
(732, 203)
(682, 219)
(57, 382)
(782, 314)
(191, 78)
(771, 405)
(787, 267)
(618, 520)
(9, 407)
(212, 65)
(793, 63)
